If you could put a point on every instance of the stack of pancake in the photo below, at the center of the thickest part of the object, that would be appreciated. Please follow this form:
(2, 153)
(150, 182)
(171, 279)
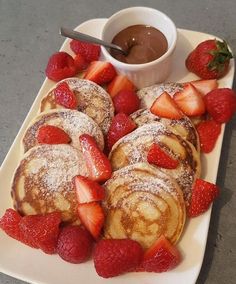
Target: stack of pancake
(142, 201)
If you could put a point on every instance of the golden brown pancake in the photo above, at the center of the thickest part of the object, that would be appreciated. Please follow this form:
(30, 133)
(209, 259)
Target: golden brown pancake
(93, 100)
(73, 122)
(43, 181)
(183, 127)
(133, 148)
(143, 203)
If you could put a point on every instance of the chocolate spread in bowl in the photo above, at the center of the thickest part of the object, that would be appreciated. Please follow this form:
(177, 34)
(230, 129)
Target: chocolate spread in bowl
(142, 43)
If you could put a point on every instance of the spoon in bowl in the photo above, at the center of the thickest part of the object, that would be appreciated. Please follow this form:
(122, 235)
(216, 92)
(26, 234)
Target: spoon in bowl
(84, 37)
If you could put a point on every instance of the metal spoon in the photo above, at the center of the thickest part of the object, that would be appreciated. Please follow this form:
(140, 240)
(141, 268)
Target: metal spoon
(84, 37)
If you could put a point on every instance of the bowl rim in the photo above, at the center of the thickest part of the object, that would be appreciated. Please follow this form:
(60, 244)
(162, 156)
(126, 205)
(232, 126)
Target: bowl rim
(124, 65)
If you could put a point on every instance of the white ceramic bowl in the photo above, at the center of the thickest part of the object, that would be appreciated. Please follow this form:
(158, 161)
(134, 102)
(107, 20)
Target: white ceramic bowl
(145, 74)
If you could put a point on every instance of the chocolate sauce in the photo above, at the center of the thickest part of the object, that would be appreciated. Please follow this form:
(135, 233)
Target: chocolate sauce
(142, 43)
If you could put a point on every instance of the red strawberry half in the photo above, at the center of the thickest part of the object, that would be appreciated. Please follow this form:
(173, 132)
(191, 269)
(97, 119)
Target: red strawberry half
(190, 101)
(121, 125)
(221, 104)
(98, 165)
(114, 257)
(205, 86)
(165, 106)
(92, 217)
(49, 134)
(89, 51)
(203, 194)
(126, 101)
(88, 190)
(120, 83)
(100, 72)
(160, 158)
(60, 66)
(160, 257)
(65, 97)
(208, 132)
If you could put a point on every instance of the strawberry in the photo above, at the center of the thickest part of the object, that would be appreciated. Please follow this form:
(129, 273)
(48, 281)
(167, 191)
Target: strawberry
(89, 51)
(121, 125)
(205, 86)
(203, 194)
(210, 59)
(80, 63)
(60, 66)
(92, 217)
(65, 97)
(165, 106)
(119, 83)
(190, 101)
(98, 165)
(37, 231)
(160, 158)
(100, 72)
(126, 101)
(114, 257)
(160, 257)
(42, 230)
(221, 104)
(49, 134)
(88, 190)
(208, 132)
(74, 244)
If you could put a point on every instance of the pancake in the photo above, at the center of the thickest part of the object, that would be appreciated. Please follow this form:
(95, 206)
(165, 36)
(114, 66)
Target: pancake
(142, 203)
(73, 122)
(133, 148)
(149, 94)
(93, 100)
(183, 127)
(43, 181)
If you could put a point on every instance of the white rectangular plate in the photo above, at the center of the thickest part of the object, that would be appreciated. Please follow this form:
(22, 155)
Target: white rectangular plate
(34, 266)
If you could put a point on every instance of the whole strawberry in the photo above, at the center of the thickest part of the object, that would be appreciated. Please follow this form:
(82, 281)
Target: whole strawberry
(210, 59)
(114, 257)
(74, 244)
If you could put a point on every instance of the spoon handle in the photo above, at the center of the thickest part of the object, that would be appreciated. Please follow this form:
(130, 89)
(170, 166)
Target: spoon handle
(84, 37)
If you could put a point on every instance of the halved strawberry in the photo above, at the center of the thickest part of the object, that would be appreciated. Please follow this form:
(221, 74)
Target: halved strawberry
(64, 96)
(89, 51)
(190, 101)
(100, 72)
(205, 86)
(203, 194)
(98, 165)
(88, 190)
(92, 217)
(165, 106)
(126, 101)
(160, 158)
(120, 83)
(121, 125)
(49, 134)
(161, 256)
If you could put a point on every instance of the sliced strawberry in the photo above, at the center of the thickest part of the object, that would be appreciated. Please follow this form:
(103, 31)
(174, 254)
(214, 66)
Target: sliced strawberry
(205, 86)
(121, 125)
(165, 106)
(160, 158)
(119, 83)
(126, 101)
(80, 62)
(208, 132)
(49, 134)
(161, 256)
(89, 51)
(190, 101)
(203, 194)
(100, 72)
(92, 217)
(88, 190)
(98, 165)
(65, 97)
